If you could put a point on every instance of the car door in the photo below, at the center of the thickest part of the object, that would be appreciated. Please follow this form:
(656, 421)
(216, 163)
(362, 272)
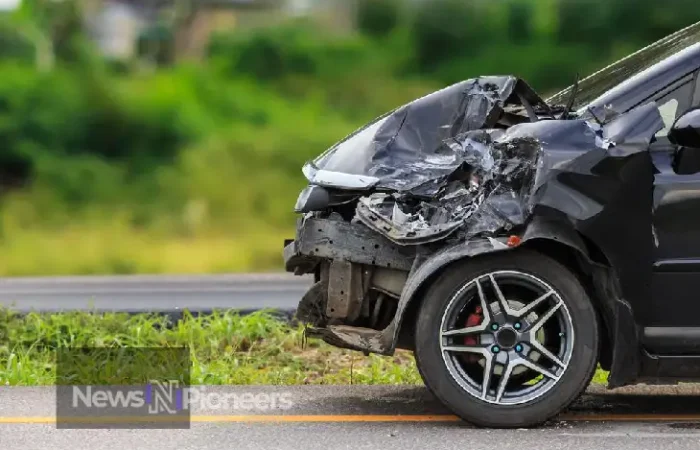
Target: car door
(672, 320)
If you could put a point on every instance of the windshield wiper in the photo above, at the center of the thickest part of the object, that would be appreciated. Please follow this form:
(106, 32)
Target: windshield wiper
(570, 104)
(595, 116)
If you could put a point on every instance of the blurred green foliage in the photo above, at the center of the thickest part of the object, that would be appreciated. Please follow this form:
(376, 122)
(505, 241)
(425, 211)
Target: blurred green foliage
(112, 168)
(378, 18)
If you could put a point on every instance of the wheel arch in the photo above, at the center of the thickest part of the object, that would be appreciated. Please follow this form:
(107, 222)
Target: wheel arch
(581, 265)
(558, 241)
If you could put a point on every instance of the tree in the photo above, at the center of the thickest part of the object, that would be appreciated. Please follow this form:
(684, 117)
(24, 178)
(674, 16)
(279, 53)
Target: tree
(378, 18)
(445, 29)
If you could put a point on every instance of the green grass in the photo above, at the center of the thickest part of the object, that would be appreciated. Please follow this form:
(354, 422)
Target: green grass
(225, 348)
(600, 377)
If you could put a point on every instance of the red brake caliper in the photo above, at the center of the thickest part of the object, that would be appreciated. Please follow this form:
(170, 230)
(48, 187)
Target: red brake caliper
(473, 320)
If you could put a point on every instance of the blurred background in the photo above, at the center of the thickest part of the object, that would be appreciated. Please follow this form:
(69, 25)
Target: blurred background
(167, 136)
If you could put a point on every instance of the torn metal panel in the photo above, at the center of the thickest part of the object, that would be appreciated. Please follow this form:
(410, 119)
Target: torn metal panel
(404, 149)
(503, 174)
(488, 191)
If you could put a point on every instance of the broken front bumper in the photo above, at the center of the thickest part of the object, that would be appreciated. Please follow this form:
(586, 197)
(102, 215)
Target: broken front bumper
(359, 276)
(325, 239)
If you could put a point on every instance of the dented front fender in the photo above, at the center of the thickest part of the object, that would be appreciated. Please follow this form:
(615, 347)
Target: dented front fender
(425, 268)
(604, 287)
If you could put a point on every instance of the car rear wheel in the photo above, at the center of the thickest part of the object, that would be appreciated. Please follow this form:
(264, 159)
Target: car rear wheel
(507, 340)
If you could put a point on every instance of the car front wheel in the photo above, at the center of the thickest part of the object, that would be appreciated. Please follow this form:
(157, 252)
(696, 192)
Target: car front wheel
(507, 340)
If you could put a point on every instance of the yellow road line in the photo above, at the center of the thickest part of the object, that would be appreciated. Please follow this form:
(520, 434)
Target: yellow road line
(630, 417)
(241, 419)
(339, 418)
(5, 420)
(329, 418)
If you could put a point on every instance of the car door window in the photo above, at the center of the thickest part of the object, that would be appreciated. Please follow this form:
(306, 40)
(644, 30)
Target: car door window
(669, 112)
(673, 104)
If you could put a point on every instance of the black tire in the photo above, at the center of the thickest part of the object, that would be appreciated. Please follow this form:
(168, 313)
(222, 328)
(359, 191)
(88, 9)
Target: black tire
(573, 381)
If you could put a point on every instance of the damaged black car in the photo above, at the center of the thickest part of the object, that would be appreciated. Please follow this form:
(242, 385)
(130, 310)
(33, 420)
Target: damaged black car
(516, 243)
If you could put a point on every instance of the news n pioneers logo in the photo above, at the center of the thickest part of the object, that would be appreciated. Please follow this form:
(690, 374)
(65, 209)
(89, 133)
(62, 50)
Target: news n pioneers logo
(122, 388)
(170, 399)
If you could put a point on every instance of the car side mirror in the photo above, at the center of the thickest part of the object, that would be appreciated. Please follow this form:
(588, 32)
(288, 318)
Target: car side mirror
(686, 131)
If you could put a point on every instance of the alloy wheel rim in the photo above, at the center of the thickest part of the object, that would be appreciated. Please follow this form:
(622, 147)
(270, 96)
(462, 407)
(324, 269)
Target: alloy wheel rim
(523, 344)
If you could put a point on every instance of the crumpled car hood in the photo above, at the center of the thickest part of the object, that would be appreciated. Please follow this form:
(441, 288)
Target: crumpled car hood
(404, 150)
(477, 159)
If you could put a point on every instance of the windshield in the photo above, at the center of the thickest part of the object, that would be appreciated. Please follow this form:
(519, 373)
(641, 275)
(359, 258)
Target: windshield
(594, 86)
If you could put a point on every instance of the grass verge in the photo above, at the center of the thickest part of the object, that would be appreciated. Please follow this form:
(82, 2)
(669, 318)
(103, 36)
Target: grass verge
(226, 348)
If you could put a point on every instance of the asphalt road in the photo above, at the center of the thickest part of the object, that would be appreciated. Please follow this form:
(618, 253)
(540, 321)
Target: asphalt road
(154, 293)
(321, 417)
(353, 417)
